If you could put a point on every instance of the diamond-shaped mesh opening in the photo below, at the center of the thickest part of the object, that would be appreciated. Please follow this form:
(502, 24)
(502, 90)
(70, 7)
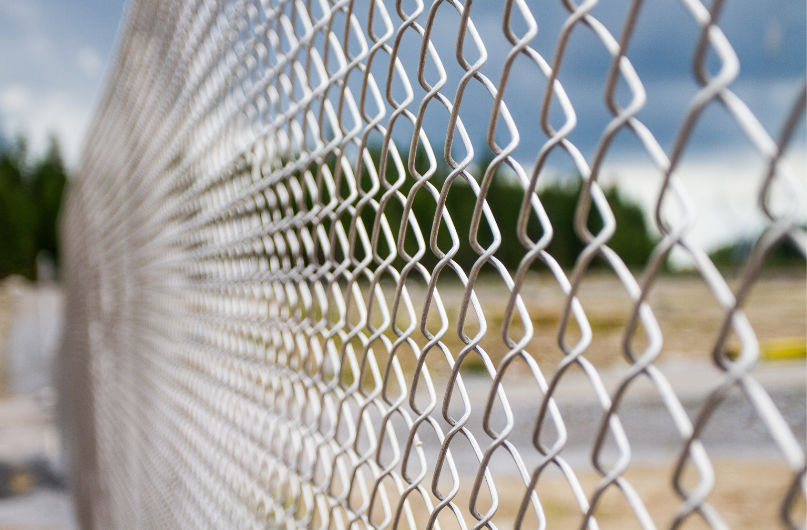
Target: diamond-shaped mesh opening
(437, 265)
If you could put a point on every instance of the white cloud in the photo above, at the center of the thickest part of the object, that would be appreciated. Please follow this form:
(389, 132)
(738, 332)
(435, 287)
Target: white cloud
(38, 46)
(22, 12)
(723, 189)
(44, 90)
(28, 29)
(14, 99)
(89, 62)
(37, 115)
(61, 114)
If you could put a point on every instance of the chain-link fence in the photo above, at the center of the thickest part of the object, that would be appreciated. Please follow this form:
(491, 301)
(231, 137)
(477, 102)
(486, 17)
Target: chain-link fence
(311, 273)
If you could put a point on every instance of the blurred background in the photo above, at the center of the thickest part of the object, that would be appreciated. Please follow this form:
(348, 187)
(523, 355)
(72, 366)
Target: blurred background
(53, 55)
(52, 69)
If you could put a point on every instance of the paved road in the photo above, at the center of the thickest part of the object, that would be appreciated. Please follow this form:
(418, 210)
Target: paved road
(29, 440)
(34, 337)
(735, 430)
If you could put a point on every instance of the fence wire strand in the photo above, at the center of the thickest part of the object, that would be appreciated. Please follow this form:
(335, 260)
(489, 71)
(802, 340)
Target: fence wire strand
(255, 341)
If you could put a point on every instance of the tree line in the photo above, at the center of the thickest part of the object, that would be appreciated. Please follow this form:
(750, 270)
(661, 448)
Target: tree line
(31, 192)
(633, 240)
(30, 198)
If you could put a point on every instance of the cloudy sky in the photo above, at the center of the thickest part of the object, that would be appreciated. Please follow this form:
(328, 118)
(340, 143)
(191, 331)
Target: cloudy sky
(55, 53)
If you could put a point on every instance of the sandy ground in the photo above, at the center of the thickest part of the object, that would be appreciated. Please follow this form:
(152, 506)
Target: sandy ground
(29, 327)
(747, 495)
(28, 434)
(687, 313)
(750, 475)
(7, 305)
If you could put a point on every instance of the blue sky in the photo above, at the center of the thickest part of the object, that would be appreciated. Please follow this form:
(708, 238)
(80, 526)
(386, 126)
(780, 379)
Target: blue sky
(767, 35)
(55, 54)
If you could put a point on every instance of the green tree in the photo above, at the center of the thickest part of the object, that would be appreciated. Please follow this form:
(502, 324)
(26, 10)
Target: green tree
(17, 214)
(734, 255)
(633, 241)
(48, 181)
(30, 198)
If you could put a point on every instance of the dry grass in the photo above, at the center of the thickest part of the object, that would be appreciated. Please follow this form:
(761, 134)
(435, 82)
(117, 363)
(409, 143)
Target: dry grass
(747, 496)
(7, 302)
(686, 311)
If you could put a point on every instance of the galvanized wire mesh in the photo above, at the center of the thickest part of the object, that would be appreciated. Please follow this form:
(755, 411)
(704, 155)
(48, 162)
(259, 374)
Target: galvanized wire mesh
(255, 341)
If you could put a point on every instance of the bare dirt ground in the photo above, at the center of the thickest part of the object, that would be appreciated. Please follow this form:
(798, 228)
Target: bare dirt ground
(687, 313)
(32, 497)
(7, 303)
(29, 447)
(748, 495)
(750, 476)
